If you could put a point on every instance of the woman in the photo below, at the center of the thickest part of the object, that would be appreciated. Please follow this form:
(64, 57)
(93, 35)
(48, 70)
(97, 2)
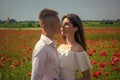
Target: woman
(73, 55)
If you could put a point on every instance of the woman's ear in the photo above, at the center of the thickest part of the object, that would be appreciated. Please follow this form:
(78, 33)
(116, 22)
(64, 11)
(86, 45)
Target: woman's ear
(75, 28)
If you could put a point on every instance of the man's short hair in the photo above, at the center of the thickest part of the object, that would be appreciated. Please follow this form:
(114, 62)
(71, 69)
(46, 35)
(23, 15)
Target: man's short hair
(45, 13)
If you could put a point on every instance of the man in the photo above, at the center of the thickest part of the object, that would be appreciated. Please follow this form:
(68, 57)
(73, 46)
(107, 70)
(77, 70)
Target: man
(45, 62)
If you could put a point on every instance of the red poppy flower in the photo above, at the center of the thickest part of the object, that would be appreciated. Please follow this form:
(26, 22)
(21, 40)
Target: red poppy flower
(116, 59)
(103, 53)
(1, 64)
(106, 73)
(29, 74)
(11, 66)
(9, 59)
(93, 62)
(116, 68)
(112, 63)
(96, 74)
(25, 55)
(2, 58)
(102, 64)
(90, 53)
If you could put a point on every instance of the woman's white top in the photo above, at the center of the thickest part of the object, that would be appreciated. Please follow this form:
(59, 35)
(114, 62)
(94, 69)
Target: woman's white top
(71, 61)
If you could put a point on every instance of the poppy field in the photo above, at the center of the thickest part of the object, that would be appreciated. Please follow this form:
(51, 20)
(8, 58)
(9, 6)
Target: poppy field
(103, 47)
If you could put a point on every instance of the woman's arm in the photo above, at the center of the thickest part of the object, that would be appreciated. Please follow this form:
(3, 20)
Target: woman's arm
(86, 75)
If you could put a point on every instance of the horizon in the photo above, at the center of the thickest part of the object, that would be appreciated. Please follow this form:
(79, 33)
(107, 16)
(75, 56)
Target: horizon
(82, 20)
(85, 9)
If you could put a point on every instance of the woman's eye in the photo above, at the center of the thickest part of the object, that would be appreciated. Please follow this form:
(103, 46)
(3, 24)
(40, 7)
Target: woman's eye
(65, 25)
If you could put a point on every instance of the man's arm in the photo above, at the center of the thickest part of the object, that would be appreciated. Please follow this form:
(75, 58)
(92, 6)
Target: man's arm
(38, 65)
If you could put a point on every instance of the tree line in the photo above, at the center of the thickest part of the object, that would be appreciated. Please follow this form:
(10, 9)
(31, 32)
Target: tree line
(14, 23)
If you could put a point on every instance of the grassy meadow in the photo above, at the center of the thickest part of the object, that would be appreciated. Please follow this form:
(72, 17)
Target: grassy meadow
(16, 47)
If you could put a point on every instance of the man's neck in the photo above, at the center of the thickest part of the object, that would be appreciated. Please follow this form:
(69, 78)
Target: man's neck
(48, 34)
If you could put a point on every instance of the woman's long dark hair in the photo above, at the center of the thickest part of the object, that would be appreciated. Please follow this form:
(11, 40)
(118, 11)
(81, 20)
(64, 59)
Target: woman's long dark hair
(79, 35)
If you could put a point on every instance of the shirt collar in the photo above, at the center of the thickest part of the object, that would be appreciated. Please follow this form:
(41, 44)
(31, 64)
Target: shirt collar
(47, 41)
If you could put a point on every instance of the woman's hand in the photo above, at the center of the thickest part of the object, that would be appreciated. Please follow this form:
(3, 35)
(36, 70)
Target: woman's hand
(86, 75)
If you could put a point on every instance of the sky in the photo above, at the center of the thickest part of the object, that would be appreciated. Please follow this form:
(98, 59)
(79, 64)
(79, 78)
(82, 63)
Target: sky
(22, 10)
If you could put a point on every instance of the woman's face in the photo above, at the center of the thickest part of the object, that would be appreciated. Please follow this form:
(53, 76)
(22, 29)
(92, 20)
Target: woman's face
(67, 27)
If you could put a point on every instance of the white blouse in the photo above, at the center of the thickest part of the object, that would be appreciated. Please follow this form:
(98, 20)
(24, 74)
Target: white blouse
(70, 61)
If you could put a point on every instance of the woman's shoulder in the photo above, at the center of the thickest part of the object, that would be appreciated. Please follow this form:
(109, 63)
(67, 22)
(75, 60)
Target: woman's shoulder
(61, 47)
(78, 48)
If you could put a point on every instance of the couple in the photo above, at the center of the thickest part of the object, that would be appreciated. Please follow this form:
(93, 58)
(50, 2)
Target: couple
(49, 63)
